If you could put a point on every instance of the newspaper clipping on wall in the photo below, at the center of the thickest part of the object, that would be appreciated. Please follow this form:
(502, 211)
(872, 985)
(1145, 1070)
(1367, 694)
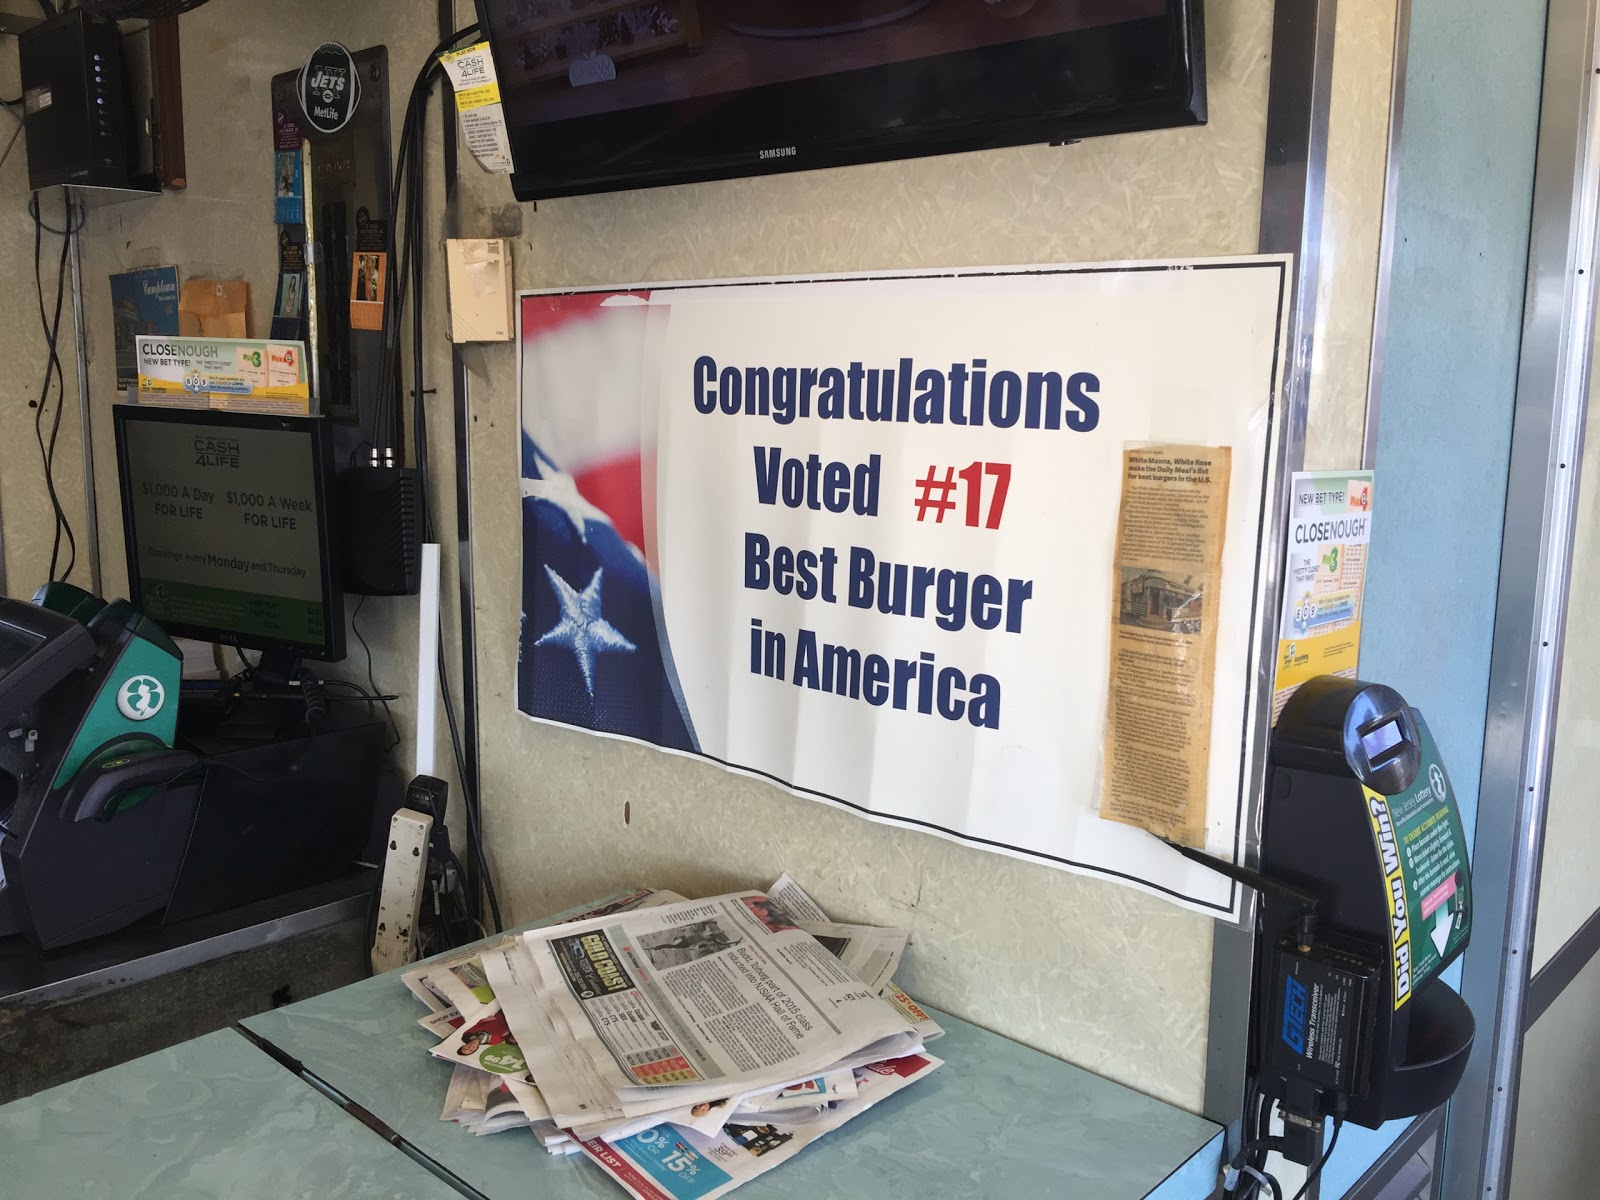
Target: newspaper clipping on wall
(1163, 638)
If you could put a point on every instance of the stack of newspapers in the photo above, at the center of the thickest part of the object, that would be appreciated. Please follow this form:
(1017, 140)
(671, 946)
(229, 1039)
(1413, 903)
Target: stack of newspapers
(675, 1040)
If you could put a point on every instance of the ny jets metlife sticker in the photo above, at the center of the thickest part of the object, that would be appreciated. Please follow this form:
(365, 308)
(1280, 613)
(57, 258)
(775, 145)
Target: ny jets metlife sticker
(330, 88)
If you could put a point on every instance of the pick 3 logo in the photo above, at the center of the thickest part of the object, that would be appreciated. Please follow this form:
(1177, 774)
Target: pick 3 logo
(141, 697)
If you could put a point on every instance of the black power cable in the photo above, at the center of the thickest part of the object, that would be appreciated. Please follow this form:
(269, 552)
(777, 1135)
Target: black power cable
(469, 799)
(1247, 1173)
(406, 187)
(54, 373)
(1316, 1171)
(372, 683)
(404, 284)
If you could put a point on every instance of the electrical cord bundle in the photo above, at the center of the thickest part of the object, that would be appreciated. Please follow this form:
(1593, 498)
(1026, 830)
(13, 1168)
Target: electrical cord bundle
(54, 373)
(1247, 1174)
(372, 682)
(403, 285)
(405, 269)
(312, 690)
(444, 921)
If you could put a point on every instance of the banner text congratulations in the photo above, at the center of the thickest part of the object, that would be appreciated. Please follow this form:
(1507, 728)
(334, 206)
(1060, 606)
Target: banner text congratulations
(965, 393)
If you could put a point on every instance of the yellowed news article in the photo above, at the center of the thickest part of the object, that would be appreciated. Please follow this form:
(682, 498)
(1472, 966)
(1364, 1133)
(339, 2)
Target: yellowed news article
(1164, 637)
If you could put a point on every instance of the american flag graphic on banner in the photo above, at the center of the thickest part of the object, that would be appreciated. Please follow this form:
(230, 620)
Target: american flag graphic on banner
(592, 650)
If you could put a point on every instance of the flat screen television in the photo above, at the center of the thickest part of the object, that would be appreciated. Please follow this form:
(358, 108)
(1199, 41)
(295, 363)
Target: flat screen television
(601, 95)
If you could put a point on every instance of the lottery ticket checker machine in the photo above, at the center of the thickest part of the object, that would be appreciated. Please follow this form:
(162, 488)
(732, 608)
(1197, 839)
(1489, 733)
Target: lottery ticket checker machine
(1352, 1018)
(122, 792)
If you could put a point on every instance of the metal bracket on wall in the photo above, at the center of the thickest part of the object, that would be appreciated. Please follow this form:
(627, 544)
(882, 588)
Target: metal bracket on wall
(461, 401)
(77, 214)
(16, 24)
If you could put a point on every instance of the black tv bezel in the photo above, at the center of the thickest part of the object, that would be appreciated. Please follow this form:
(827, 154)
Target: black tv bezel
(332, 647)
(1180, 101)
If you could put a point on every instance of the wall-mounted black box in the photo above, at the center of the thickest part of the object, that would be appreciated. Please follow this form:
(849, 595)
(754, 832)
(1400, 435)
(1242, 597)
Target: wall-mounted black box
(76, 103)
(380, 517)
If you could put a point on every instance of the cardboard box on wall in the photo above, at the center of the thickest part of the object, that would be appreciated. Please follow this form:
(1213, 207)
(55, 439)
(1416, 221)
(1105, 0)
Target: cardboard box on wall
(480, 289)
(214, 308)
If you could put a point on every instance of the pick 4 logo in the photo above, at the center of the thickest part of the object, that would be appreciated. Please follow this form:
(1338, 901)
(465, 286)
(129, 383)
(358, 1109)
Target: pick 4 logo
(141, 697)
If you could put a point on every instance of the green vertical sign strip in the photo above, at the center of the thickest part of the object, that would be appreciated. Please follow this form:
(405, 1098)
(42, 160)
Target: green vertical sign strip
(1423, 851)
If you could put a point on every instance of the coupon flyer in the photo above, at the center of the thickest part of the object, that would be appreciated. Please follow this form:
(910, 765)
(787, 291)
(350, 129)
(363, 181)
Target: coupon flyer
(1324, 577)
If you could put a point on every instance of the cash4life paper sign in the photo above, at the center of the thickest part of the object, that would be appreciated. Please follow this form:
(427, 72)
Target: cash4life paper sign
(483, 120)
(887, 542)
(1324, 578)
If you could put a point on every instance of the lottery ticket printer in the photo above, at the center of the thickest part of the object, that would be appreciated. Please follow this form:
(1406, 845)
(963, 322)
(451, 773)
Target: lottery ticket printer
(117, 801)
(91, 836)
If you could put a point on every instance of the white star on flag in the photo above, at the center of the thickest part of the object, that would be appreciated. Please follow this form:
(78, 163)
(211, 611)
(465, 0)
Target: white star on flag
(561, 490)
(582, 629)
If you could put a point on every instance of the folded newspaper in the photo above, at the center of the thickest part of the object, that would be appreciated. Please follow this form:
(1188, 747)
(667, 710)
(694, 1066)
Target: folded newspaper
(685, 1046)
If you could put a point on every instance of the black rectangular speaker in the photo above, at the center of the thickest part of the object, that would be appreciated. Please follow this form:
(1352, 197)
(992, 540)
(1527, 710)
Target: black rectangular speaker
(380, 515)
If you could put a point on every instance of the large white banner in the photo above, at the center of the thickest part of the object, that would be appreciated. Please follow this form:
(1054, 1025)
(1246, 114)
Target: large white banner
(857, 536)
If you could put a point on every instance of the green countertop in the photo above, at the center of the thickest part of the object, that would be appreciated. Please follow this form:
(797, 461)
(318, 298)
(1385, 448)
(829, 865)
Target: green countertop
(998, 1120)
(221, 1117)
(206, 1119)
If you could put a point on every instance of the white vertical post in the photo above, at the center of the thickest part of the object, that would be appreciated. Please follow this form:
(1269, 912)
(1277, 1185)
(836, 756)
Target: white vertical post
(428, 659)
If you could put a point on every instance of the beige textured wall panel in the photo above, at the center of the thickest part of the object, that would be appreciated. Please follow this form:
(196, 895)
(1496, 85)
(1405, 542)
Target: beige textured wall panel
(1555, 1154)
(1093, 972)
(1358, 152)
(1569, 885)
(27, 521)
(222, 226)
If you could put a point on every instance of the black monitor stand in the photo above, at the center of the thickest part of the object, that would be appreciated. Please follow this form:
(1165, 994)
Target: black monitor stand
(278, 669)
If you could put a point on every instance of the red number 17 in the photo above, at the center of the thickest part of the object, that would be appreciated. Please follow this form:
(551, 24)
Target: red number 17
(973, 477)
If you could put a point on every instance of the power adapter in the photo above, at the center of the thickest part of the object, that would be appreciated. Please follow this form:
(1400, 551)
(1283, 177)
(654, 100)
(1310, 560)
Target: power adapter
(380, 515)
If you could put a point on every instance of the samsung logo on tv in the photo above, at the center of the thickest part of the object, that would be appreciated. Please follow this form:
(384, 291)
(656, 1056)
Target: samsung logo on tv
(780, 152)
